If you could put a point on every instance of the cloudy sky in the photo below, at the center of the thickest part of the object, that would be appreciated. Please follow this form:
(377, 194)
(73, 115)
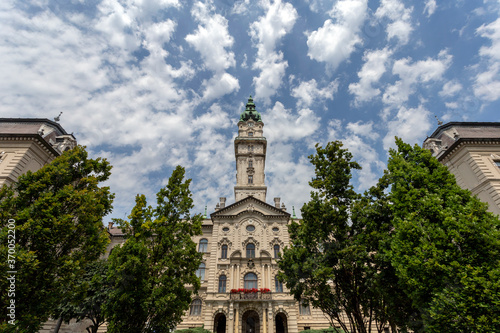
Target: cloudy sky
(150, 84)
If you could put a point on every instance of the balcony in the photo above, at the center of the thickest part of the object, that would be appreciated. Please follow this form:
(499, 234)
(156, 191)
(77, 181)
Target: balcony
(257, 296)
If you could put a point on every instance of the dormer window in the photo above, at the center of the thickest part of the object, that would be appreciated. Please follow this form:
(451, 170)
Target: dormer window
(250, 124)
(250, 133)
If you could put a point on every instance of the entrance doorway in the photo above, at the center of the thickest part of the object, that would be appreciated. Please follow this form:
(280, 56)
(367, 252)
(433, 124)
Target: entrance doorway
(281, 324)
(250, 322)
(220, 323)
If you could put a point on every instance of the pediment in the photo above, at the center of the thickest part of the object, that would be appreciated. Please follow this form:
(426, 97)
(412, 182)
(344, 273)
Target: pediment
(250, 205)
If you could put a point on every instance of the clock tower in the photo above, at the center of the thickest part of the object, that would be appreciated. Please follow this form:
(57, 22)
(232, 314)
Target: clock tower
(250, 151)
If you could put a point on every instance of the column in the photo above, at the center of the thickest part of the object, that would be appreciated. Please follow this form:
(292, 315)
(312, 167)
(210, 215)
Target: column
(237, 276)
(264, 315)
(231, 318)
(236, 320)
(270, 319)
(233, 277)
(263, 276)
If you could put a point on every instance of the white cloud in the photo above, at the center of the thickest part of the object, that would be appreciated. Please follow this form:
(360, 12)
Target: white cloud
(411, 125)
(282, 125)
(220, 85)
(337, 39)
(308, 92)
(212, 38)
(423, 71)
(450, 88)
(487, 84)
(430, 7)
(399, 16)
(266, 33)
(371, 72)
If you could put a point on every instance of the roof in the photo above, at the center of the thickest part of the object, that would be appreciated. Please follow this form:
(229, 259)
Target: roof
(250, 112)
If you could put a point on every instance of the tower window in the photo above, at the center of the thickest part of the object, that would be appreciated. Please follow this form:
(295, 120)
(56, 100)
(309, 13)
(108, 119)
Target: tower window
(250, 250)
(223, 252)
(250, 181)
(250, 163)
(250, 133)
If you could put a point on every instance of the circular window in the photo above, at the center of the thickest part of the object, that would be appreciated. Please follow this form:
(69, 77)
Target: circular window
(250, 228)
(225, 229)
(275, 229)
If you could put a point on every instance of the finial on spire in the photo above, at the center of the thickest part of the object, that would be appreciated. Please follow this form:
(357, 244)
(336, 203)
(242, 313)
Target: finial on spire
(58, 117)
(205, 215)
(293, 214)
(439, 121)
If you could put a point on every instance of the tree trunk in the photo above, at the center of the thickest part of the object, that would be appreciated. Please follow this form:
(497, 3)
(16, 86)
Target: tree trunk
(58, 325)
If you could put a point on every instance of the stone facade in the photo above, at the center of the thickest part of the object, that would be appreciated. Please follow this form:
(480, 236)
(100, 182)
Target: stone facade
(29, 144)
(241, 243)
(471, 151)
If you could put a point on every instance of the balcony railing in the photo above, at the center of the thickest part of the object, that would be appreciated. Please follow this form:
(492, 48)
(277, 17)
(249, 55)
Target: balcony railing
(257, 296)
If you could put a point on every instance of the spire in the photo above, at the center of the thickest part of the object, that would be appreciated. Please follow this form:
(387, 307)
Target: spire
(250, 111)
(205, 215)
(293, 215)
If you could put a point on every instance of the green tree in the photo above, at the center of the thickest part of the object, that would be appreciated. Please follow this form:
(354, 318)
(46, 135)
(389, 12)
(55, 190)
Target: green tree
(58, 214)
(445, 245)
(88, 295)
(149, 273)
(332, 262)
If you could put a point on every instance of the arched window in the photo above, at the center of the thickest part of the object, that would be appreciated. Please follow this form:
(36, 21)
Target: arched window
(203, 245)
(250, 281)
(222, 283)
(250, 179)
(250, 250)
(195, 308)
(223, 252)
(276, 251)
(250, 163)
(201, 272)
(278, 284)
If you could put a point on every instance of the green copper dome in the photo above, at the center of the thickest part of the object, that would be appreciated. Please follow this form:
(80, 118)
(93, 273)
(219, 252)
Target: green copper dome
(250, 111)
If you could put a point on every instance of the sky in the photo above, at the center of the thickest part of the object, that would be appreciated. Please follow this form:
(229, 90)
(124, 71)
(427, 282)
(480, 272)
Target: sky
(152, 84)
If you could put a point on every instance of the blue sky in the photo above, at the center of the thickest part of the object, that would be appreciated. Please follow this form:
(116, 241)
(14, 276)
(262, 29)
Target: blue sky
(150, 84)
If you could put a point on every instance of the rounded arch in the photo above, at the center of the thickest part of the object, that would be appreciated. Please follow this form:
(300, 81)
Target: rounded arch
(280, 323)
(250, 321)
(220, 323)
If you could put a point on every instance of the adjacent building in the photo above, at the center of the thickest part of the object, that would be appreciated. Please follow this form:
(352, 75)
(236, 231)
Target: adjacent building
(28, 144)
(471, 151)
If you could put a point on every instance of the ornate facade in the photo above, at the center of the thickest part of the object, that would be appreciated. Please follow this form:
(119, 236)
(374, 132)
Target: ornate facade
(241, 242)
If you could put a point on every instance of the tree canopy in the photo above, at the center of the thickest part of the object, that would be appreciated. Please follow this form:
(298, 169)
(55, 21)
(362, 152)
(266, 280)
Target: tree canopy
(149, 274)
(58, 213)
(414, 252)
